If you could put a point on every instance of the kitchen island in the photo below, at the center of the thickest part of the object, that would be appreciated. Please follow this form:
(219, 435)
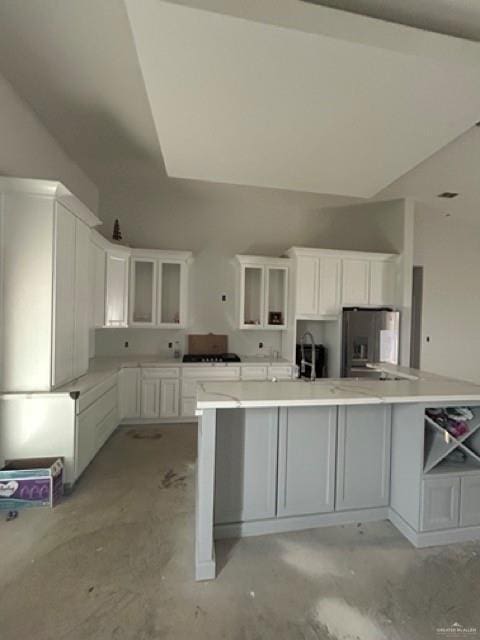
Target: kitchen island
(291, 455)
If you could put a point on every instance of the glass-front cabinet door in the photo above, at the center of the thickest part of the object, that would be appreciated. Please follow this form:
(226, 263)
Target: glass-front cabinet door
(252, 298)
(143, 302)
(276, 297)
(171, 294)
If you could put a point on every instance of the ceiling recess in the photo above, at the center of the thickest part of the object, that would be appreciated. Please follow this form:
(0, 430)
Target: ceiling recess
(243, 101)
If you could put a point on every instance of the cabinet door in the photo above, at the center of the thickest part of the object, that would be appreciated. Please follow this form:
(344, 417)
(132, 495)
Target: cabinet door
(252, 293)
(64, 302)
(440, 503)
(382, 282)
(83, 299)
(307, 278)
(329, 300)
(143, 292)
(116, 290)
(98, 285)
(470, 501)
(306, 460)
(363, 456)
(129, 393)
(169, 396)
(246, 464)
(276, 296)
(150, 398)
(171, 294)
(189, 406)
(355, 281)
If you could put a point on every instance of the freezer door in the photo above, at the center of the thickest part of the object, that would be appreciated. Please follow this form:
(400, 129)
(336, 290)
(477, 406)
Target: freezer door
(387, 337)
(359, 341)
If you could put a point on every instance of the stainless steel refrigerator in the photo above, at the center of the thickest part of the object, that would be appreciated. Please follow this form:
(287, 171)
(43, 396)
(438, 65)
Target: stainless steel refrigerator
(368, 336)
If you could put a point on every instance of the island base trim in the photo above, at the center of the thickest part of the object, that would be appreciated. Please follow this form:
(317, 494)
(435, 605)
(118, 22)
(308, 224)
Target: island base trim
(422, 539)
(298, 523)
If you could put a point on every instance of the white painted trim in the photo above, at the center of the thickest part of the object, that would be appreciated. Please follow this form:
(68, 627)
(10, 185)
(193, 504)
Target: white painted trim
(52, 189)
(263, 261)
(434, 538)
(295, 252)
(298, 523)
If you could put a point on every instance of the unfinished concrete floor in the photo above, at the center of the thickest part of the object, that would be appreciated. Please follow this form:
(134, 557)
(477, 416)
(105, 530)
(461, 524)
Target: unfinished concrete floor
(115, 560)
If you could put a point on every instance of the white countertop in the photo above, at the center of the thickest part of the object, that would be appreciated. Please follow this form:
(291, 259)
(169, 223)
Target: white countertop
(416, 386)
(103, 367)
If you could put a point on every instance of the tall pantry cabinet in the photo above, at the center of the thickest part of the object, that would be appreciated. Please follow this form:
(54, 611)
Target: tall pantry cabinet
(44, 322)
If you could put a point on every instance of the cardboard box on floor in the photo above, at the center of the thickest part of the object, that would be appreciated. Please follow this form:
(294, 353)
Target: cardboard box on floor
(31, 482)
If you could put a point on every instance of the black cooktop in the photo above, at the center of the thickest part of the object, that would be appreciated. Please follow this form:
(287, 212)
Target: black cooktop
(208, 357)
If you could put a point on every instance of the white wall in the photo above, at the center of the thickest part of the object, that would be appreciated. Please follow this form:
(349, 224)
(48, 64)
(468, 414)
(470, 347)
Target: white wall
(449, 250)
(27, 150)
(216, 222)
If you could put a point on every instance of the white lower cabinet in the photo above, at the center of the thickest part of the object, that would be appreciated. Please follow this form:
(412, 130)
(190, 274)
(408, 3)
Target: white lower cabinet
(160, 392)
(246, 465)
(306, 460)
(169, 396)
(150, 405)
(189, 406)
(363, 456)
(440, 503)
(95, 423)
(470, 501)
(129, 393)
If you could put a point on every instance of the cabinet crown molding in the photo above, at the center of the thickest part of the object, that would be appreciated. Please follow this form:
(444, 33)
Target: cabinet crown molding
(262, 260)
(295, 252)
(50, 189)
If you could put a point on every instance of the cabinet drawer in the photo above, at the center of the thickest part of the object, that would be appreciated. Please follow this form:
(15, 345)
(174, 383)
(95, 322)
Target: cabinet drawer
(211, 373)
(98, 410)
(189, 388)
(279, 371)
(92, 395)
(105, 428)
(254, 373)
(188, 407)
(160, 372)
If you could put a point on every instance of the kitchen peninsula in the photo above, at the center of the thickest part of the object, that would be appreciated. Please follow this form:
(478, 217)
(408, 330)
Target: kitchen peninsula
(291, 455)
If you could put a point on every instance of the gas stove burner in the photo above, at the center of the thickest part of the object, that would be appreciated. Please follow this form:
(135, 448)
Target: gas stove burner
(211, 358)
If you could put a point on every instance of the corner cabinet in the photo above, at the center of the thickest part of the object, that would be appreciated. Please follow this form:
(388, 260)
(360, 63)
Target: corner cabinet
(158, 289)
(263, 292)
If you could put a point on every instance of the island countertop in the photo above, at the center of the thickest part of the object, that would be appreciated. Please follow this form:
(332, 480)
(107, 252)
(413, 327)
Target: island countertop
(414, 386)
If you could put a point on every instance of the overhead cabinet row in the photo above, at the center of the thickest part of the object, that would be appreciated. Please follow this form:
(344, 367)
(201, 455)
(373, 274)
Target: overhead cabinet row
(326, 281)
(137, 288)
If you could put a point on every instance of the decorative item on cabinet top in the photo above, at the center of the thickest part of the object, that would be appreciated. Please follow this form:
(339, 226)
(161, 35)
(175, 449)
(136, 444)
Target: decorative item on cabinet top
(141, 287)
(262, 292)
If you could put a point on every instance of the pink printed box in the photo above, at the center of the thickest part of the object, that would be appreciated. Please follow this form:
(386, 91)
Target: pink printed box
(31, 482)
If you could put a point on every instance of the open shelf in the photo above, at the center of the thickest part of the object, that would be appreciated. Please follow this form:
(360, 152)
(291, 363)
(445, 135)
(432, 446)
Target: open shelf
(439, 443)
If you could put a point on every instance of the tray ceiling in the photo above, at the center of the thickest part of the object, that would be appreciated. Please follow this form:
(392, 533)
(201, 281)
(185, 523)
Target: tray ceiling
(241, 101)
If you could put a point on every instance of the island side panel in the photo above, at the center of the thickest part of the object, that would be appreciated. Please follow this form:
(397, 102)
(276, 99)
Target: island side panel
(205, 489)
(407, 462)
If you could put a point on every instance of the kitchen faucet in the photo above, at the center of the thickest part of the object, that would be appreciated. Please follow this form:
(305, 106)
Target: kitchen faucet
(303, 362)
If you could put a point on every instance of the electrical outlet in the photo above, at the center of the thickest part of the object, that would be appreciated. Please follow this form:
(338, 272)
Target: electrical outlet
(224, 297)
(260, 345)
(126, 344)
(170, 345)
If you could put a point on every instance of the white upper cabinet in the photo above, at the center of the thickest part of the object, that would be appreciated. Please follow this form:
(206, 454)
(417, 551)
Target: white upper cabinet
(327, 280)
(45, 280)
(143, 292)
(116, 288)
(263, 292)
(159, 288)
(383, 282)
(64, 296)
(97, 283)
(356, 281)
(318, 283)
